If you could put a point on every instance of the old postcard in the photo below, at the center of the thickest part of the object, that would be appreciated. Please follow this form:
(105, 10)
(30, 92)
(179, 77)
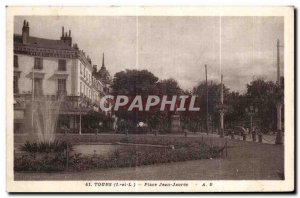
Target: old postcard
(150, 99)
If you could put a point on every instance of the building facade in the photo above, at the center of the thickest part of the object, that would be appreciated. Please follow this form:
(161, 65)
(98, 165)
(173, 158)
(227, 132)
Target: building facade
(55, 69)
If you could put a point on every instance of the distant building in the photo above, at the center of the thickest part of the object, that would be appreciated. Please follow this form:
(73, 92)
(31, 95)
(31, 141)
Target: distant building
(103, 76)
(53, 68)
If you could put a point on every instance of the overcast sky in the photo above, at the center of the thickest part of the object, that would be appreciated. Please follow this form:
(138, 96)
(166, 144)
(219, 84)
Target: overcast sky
(242, 48)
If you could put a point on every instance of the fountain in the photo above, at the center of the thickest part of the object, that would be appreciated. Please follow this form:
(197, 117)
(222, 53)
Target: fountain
(45, 116)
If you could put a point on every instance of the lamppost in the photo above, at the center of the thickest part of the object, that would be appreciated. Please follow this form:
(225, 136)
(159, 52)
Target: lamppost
(251, 111)
(221, 112)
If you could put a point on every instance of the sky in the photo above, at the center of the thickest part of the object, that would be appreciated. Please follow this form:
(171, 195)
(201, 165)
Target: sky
(178, 47)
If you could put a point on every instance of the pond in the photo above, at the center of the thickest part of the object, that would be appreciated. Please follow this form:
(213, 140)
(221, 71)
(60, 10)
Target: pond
(107, 149)
(91, 149)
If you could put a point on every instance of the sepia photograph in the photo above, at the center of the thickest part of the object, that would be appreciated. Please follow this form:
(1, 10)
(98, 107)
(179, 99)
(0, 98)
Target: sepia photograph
(150, 99)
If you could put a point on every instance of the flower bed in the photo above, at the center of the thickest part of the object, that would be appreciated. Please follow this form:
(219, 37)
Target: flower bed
(43, 156)
(131, 157)
(122, 157)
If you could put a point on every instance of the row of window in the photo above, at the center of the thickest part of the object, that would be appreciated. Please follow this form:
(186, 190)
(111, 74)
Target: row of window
(85, 90)
(38, 63)
(85, 73)
(90, 79)
(38, 86)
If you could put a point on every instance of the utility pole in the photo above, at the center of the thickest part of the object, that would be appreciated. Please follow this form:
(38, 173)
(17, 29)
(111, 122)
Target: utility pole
(279, 102)
(206, 100)
(278, 62)
(32, 101)
(222, 110)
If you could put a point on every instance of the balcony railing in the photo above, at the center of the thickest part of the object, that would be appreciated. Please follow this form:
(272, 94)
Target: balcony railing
(68, 103)
(62, 93)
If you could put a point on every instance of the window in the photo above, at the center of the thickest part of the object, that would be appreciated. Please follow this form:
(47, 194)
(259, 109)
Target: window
(38, 63)
(81, 87)
(18, 127)
(16, 84)
(62, 65)
(38, 86)
(16, 61)
(81, 68)
(61, 86)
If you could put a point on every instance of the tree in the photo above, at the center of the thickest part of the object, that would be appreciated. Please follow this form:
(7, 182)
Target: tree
(264, 95)
(213, 102)
(135, 82)
(169, 87)
(132, 83)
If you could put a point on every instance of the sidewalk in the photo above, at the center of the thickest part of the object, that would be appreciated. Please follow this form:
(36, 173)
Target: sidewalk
(266, 139)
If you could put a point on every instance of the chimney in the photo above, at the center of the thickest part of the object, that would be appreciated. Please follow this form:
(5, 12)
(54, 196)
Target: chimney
(62, 31)
(75, 46)
(103, 64)
(89, 59)
(64, 37)
(25, 32)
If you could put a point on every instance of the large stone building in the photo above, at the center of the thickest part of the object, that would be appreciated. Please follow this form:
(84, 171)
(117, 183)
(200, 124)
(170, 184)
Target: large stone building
(53, 69)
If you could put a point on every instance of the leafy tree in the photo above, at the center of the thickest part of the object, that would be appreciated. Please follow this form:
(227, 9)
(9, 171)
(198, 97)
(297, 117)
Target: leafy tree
(132, 83)
(136, 82)
(260, 93)
(264, 95)
(169, 87)
(213, 103)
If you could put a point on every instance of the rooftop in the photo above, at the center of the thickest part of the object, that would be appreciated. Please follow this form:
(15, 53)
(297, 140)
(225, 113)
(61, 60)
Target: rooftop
(43, 43)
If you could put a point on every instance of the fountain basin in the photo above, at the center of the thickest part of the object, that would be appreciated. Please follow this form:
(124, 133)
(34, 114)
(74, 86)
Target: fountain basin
(91, 149)
(106, 149)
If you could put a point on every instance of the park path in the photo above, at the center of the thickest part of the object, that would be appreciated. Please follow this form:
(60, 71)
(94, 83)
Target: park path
(245, 160)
